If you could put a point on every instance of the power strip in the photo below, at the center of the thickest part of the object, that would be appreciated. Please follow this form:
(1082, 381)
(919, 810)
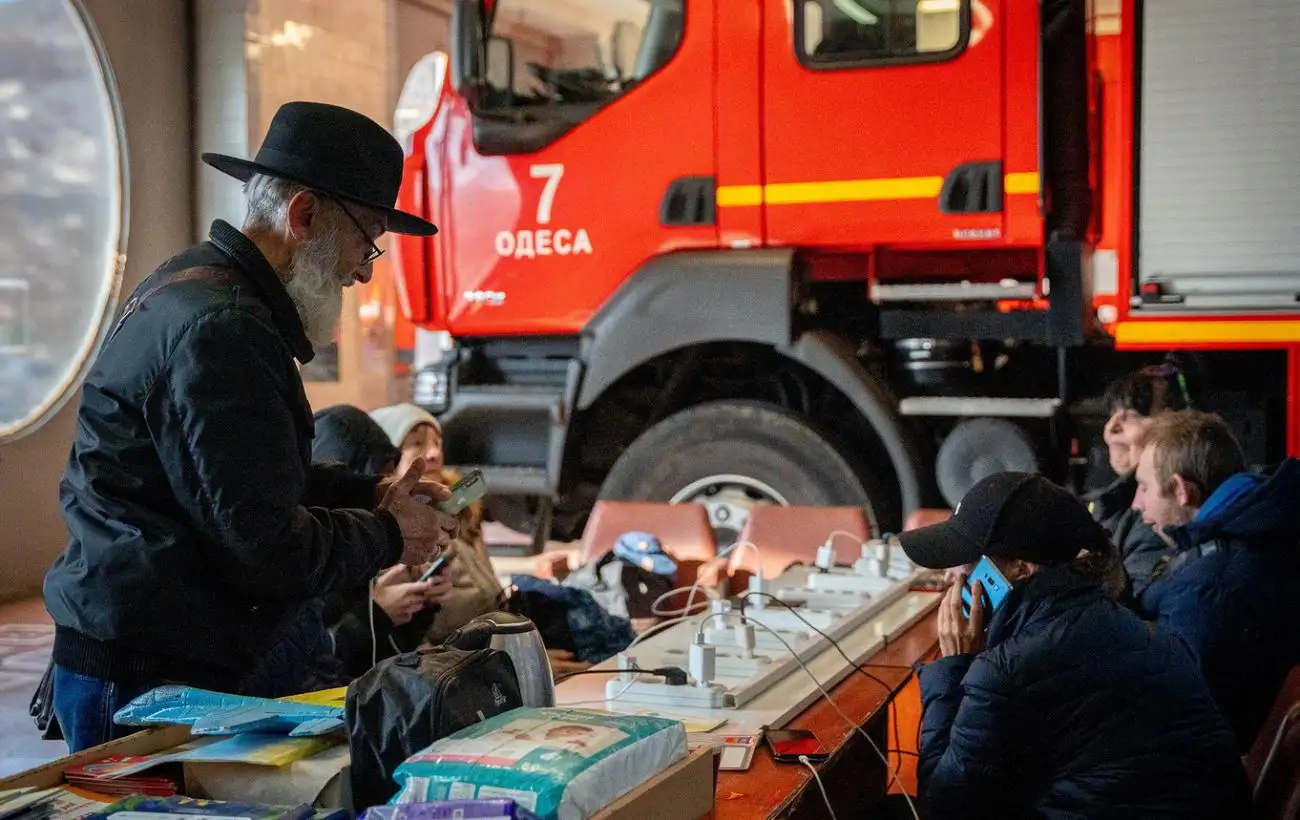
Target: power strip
(726, 664)
(653, 689)
(838, 600)
(849, 582)
(726, 637)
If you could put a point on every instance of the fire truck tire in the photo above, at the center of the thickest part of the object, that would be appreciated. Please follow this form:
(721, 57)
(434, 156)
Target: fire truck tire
(772, 454)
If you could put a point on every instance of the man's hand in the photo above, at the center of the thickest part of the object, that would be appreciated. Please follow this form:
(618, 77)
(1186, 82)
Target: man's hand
(957, 635)
(398, 595)
(425, 487)
(425, 531)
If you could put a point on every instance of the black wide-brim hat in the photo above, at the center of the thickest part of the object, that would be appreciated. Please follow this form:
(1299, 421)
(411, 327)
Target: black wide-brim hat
(335, 151)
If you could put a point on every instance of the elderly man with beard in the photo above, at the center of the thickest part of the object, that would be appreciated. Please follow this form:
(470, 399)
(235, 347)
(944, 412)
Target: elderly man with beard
(199, 526)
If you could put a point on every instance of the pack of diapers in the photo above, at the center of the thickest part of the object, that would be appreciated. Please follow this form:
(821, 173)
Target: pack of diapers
(560, 764)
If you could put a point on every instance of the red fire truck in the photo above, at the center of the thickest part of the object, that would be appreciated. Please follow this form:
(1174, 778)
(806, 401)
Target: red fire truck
(844, 251)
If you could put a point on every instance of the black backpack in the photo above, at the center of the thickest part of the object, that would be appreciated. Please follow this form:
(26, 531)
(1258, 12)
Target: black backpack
(405, 703)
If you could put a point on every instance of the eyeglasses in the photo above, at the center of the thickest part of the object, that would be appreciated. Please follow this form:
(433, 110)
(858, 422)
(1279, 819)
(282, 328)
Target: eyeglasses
(375, 251)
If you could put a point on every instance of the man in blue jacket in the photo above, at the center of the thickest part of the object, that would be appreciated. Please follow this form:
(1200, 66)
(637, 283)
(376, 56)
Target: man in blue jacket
(1068, 705)
(1232, 586)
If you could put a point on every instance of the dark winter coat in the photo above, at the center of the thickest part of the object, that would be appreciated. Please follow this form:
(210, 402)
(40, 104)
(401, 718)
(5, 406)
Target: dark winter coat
(198, 524)
(1233, 592)
(1076, 709)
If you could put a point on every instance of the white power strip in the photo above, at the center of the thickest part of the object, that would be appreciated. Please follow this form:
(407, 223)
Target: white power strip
(849, 582)
(654, 690)
(728, 664)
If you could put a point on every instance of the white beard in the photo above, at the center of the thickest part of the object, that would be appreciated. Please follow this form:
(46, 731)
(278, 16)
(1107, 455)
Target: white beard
(315, 287)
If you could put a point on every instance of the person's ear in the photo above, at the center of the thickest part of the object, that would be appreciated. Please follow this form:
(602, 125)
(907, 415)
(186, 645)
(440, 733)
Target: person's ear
(304, 210)
(1186, 493)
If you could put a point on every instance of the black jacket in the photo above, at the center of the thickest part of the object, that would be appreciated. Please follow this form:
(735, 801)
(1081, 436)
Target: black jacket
(198, 525)
(1076, 709)
(1139, 545)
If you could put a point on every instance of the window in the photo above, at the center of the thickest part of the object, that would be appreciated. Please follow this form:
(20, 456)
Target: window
(545, 55)
(62, 201)
(835, 33)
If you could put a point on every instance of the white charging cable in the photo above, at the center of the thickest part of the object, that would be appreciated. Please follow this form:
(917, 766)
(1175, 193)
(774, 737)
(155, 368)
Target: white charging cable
(370, 610)
(672, 613)
(850, 721)
(829, 808)
(698, 587)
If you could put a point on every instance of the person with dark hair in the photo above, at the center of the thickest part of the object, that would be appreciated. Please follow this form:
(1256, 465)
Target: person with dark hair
(1134, 400)
(1231, 585)
(347, 435)
(1067, 704)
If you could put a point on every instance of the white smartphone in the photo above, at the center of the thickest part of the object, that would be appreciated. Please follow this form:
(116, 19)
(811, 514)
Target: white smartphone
(463, 493)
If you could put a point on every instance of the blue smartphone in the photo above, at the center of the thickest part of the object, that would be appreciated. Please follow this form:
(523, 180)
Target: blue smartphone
(436, 567)
(996, 587)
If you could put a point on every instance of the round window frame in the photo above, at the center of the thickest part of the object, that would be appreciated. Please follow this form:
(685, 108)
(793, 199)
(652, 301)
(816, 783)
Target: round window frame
(75, 375)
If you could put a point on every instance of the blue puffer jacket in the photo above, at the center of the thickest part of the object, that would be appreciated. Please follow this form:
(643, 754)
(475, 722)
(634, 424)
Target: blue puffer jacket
(1233, 592)
(1076, 709)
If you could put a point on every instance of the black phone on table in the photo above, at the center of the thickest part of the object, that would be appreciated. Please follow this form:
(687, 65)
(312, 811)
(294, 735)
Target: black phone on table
(788, 745)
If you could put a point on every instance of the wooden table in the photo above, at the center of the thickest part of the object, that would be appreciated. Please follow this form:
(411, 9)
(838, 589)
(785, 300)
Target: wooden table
(854, 775)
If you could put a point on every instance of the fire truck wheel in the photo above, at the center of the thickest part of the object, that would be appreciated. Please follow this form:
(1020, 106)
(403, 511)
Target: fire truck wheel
(731, 456)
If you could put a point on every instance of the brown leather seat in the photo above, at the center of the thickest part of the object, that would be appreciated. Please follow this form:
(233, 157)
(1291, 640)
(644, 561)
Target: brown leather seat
(683, 529)
(1277, 792)
(1287, 698)
(924, 517)
(791, 535)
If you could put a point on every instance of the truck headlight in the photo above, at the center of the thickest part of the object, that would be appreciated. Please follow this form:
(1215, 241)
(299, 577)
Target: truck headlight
(432, 389)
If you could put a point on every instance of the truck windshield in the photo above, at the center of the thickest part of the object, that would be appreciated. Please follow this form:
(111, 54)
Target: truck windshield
(554, 53)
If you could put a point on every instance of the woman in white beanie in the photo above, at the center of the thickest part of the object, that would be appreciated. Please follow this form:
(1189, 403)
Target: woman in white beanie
(415, 432)
(475, 589)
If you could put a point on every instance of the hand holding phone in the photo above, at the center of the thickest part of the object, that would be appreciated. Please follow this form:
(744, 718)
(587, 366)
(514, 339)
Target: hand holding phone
(437, 566)
(995, 585)
(788, 745)
(464, 493)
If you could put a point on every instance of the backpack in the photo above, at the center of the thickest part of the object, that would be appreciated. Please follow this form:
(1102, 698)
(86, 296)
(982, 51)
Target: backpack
(623, 589)
(405, 703)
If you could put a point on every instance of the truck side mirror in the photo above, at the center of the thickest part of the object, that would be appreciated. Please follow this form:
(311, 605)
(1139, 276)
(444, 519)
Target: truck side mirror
(501, 64)
(466, 43)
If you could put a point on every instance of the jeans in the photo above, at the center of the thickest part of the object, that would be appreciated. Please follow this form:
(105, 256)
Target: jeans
(85, 707)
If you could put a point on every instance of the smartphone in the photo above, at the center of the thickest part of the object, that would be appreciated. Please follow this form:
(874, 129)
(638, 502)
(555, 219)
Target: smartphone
(436, 567)
(996, 587)
(463, 493)
(788, 745)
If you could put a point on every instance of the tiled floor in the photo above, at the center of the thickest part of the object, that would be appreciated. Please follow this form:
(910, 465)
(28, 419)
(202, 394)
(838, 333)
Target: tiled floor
(25, 638)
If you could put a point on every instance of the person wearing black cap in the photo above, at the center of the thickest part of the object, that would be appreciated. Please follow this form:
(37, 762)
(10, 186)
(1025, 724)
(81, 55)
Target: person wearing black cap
(198, 525)
(1067, 704)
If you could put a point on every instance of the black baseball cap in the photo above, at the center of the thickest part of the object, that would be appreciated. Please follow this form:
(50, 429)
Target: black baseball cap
(1008, 515)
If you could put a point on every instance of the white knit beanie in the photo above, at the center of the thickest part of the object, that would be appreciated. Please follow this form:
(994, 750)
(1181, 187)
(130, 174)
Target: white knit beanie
(400, 419)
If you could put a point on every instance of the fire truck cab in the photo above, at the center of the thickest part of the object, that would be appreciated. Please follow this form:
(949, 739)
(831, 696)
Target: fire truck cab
(840, 251)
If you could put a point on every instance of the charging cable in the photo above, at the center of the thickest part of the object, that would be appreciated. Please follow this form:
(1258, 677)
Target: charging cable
(370, 610)
(829, 808)
(672, 613)
(853, 724)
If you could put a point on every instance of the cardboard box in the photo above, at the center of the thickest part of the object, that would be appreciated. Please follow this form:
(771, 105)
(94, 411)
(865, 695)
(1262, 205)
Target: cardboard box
(684, 791)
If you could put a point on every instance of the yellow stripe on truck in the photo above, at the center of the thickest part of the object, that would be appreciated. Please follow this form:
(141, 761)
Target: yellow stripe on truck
(1024, 183)
(853, 190)
(1192, 332)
